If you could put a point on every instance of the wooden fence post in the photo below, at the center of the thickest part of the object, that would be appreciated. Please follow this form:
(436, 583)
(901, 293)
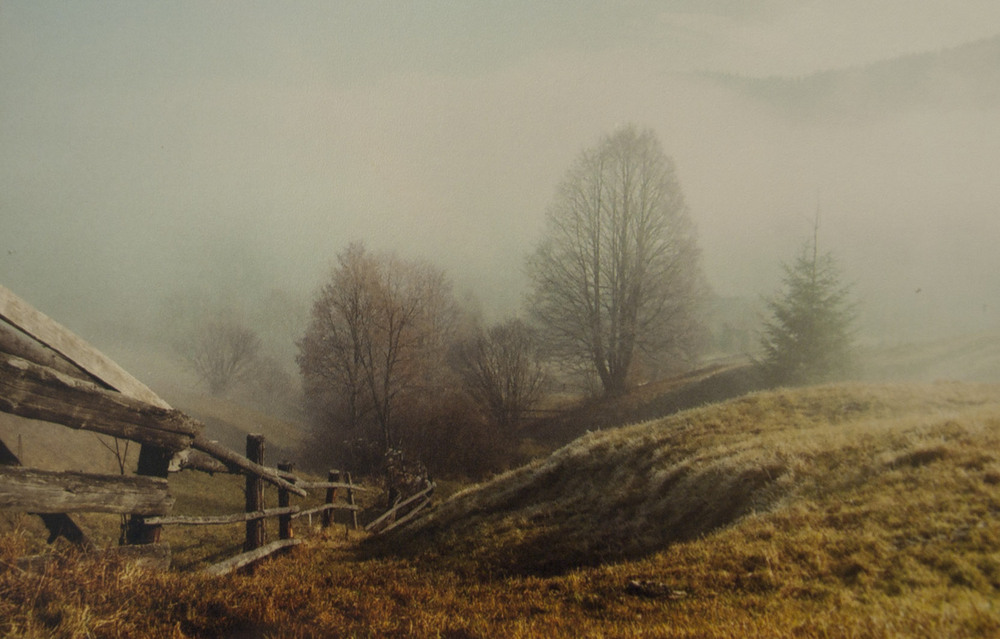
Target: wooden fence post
(284, 521)
(331, 495)
(153, 462)
(254, 494)
(350, 500)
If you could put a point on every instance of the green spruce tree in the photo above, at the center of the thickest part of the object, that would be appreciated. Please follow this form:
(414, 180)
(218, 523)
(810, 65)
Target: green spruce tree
(809, 337)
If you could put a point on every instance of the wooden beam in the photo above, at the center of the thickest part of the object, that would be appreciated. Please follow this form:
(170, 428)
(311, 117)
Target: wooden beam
(25, 317)
(425, 493)
(43, 491)
(247, 558)
(17, 343)
(58, 524)
(38, 392)
(239, 464)
(218, 520)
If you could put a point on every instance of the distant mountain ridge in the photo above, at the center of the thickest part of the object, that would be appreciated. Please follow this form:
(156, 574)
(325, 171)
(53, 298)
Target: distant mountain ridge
(966, 76)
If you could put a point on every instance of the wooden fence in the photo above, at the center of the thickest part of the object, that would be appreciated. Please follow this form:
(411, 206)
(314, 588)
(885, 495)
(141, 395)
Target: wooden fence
(49, 374)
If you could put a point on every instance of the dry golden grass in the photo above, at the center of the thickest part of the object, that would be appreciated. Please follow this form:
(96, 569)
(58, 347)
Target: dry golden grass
(840, 511)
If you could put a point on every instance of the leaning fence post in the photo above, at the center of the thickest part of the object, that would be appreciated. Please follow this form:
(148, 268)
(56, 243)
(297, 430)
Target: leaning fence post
(254, 494)
(284, 521)
(331, 495)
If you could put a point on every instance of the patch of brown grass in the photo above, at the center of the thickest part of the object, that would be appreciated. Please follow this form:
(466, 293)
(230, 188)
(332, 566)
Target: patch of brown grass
(864, 512)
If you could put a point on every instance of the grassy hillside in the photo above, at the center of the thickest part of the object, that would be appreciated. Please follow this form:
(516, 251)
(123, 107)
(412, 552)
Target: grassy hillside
(838, 511)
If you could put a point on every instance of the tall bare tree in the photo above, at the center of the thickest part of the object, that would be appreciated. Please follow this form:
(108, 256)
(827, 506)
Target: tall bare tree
(502, 370)
(378, 332)
(618, 271)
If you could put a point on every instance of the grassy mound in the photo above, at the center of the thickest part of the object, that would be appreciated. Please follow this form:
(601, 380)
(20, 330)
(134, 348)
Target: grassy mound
(840, 511)
(625, 493)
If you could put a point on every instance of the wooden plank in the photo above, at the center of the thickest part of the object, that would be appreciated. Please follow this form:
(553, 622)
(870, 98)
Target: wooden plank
(218, 520)
(43, 491)
(247, 558)
(15, 342)
(240, 464)
(58, 524)
(38, 392)
(25, 317)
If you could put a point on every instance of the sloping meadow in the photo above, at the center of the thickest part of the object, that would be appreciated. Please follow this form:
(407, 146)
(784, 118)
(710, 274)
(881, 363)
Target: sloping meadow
(629, 492)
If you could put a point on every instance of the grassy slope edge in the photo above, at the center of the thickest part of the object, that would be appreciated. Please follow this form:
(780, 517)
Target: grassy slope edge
(847, 510)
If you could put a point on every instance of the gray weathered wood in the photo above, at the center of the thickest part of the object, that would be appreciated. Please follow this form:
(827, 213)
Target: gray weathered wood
(216, 520)
(58, 524)
(247, 558)
(43, 491)
(254, 493)
(196, 460)
(38, 392)
(407, 517)
(14, 342)
(425, 493)
(240, 464)
(25, 317)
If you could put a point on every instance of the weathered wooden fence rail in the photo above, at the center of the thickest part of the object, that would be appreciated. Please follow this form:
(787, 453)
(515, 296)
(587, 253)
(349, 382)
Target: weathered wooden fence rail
(47, 373)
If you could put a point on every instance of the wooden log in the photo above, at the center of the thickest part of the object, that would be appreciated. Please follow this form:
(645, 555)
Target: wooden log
(407, 517)
(254, 494)
(58, 524)
(37, 392)
(395, 509)
(217, 520)
(16, 343)
(196, 460)
(43, 491)
(19, 313)
(239, 464)
(247, 558)
(284, 521)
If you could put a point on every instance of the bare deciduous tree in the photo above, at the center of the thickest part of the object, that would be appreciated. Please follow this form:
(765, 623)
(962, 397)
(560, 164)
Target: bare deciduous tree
(378, 332)
(502, 370)
(618, 271)
(223, 352)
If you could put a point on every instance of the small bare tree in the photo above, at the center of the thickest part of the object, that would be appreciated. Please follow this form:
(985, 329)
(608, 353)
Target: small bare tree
(502, 370)
(378, 332)
(223, 352)
(618, 271)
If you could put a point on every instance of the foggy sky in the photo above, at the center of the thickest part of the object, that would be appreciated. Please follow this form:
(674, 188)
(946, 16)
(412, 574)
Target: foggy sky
(227, 149)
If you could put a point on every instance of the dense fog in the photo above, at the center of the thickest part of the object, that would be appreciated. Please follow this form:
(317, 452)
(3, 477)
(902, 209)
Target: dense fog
(163, 156)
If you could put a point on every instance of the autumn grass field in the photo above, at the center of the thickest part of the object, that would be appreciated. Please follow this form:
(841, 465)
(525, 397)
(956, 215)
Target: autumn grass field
(855, 510)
